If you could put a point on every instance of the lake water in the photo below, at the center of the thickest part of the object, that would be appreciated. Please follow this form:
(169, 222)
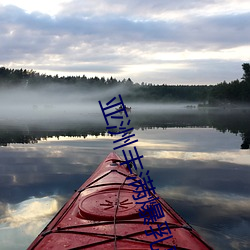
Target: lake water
(198, 159)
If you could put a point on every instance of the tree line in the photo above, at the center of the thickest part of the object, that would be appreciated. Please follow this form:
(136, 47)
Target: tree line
(235, 122)
(236, 91)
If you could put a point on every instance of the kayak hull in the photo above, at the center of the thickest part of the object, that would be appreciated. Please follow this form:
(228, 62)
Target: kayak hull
(103, 213)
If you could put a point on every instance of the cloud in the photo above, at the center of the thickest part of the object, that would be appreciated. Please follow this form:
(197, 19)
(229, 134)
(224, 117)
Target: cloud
(116, 30)
(26, 220)
(229, 204)
(149, 9)
(125, 40)
(29, 210)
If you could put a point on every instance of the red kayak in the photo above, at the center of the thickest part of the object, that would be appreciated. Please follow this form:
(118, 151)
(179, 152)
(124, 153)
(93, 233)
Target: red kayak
(110, 212)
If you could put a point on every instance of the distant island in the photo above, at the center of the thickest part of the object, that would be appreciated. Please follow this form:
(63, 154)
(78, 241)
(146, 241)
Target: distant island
(236, 92)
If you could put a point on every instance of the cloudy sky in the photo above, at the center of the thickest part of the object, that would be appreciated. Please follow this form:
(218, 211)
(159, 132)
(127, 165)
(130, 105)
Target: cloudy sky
(157, 41)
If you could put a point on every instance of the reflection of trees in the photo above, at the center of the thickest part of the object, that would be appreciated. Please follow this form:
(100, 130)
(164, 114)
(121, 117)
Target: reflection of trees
(246, 141)
(229, 120)
(20, 135)
(16, 137)
(233, 121)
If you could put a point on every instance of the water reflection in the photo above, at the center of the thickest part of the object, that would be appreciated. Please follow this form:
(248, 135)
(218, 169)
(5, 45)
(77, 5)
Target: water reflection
(29, 210)
(20, 222)
(233, 121)
(198, 169)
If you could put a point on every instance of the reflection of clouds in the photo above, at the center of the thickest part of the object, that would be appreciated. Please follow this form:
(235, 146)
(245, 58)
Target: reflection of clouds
(57, 153)
(228, 203)
(55, 157)
(2, 209)
(164, 145)
(227, 240)
(22, 222)
(190, 139)
(14, 179)
(29, 212)
(36, 169)
(237, 157)
(202, 181)
(222, 219)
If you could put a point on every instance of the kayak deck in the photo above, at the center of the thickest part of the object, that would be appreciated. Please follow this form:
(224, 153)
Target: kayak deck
(103, 213)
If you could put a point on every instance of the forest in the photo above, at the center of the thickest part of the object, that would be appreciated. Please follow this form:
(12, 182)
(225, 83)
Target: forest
(224, 93)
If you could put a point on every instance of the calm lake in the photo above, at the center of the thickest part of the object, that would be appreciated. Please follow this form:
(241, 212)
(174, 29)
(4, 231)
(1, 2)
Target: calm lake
(199, 160)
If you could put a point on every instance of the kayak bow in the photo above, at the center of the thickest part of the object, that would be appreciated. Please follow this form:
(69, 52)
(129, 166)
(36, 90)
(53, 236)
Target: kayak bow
(102, 214)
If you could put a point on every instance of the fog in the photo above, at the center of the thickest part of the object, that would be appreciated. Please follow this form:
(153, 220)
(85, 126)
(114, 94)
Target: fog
(56, 102)
(64, 103)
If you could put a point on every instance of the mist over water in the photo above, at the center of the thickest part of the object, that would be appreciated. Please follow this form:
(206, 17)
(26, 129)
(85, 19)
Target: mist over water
(55, 102)
(193, 154)
(64, 103)
(29, 114)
